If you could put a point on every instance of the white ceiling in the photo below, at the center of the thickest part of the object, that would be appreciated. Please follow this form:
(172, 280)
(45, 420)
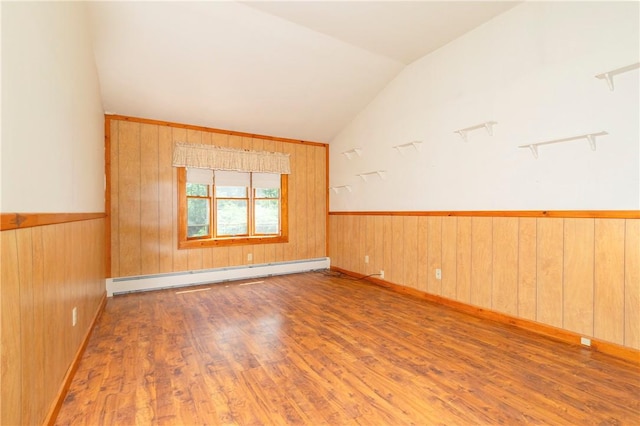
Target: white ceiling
(301, 70)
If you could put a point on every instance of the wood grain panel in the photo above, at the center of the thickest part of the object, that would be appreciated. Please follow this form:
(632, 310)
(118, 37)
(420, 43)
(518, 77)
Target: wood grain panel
(423, 253)
(395, 272)
(608, 321)
(321, 200)
(549, 272)
(180, 257)
(370, 244)
(434, 248)
(194, 256)
(28, 339)
(290, 249)
(632, 284)
(463, 259)
(387, 234)
(449, 255)
(39, 398)
(10, 377)
(361, 228)
(166, 177)
(481, 261)
(578, 275)
(410, 258)
(129, 198)
(527, 268)
(149, 181)
(504, 294)
(113, 182)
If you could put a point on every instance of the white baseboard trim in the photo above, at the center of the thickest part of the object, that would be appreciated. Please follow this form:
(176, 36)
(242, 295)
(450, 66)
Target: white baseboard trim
(181, 279)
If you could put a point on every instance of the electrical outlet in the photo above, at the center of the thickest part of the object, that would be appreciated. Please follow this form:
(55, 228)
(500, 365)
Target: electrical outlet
(249, 257)
(381, 274)
(74, 316)
(585, 341)
(366, 259)
(438, 274)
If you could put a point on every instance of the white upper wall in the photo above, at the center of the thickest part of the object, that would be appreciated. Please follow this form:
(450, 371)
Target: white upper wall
(530, 69)
(52, 119)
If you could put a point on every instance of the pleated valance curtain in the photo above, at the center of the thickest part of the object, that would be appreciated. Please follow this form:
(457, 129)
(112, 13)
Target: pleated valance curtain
(220, 158)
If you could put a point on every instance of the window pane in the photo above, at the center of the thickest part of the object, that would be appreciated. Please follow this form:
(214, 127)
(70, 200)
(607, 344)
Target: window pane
(267, 216)
(231, 191)
(232, 217)
(267, 192)
(197, 217)
(197, 189)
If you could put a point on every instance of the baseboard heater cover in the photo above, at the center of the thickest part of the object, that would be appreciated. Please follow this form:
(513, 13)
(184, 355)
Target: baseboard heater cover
(123, 285)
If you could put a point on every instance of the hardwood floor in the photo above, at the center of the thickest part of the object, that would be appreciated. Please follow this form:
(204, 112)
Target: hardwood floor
(313, 349)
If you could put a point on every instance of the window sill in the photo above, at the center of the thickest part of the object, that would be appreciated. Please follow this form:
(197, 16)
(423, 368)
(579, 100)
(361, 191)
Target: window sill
(223, 242)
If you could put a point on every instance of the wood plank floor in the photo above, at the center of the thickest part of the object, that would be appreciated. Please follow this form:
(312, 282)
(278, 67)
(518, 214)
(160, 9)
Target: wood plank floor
(313, 349)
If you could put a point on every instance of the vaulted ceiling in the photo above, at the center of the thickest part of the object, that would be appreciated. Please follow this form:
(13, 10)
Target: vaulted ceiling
(300, 70)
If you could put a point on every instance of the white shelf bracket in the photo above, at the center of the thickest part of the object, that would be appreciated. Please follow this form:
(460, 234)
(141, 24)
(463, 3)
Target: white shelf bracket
(487, 125)
(591, 137)
(380, 173)
(608, 76)
(415, 144)
(350, 153)
(335, 189)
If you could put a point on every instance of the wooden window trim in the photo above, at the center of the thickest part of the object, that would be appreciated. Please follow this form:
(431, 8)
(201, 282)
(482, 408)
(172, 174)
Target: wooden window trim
(185, 243)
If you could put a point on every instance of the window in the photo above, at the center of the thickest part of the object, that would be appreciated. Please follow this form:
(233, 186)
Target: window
(226, 208)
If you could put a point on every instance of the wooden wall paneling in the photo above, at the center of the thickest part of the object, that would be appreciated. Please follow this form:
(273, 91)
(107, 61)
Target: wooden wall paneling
(350, 245)
(40, 320)
(11, 373)
(481, 261)
(180, 257)
(369, 245)
(410, 258)
(279, 248)
(246, 251)
(527, 268)
(194, 256)
(166, 201)
(609, 280)
(550, 251)
(301, 206)
(387, 257)
(395, 273)
(220, 256)
(463, 260)
(50, 284)
(333, 248)
(149, 200)
(321, 201)
(434, 255)
(69, 288)
(632, 284)
(504, 293)
(114, 197)
(236, 256)
(208, 252)
(361, 236)
(378, 253)
(578, 275)
(60, 331)
(423, 253)
(310, 204)
(449, 254)
(26, 324)
(129, 198)
(290, 248)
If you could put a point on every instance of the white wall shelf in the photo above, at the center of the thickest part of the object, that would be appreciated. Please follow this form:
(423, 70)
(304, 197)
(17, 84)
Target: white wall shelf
(352, 152)
(487, 125)
(380, 173)
(608, 76)
(415, 144)
(591, 137)
(338, 188)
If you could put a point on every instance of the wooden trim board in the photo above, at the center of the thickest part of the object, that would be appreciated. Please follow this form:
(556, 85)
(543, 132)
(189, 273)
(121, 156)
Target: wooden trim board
(627, 354)
(68, 378)
(27, 220)
(599, 214)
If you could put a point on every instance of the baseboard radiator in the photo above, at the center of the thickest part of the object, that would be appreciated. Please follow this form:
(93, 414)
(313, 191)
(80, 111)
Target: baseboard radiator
(123, 285)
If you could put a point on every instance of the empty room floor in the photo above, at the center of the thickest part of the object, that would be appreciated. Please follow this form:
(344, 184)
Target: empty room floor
(316, 349)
